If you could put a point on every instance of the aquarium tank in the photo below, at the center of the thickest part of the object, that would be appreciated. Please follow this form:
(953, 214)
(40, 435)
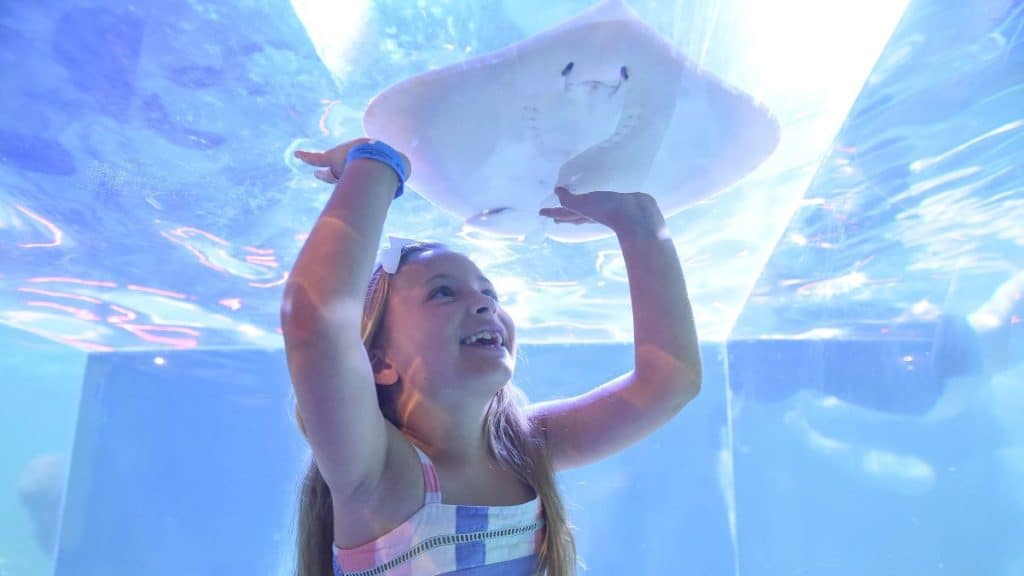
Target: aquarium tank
(858, 295)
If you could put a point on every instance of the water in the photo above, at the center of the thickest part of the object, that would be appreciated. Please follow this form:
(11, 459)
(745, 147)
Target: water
(862, 347)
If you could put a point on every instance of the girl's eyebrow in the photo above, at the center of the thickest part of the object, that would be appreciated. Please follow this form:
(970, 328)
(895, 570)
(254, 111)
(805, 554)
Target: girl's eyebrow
(450, 277)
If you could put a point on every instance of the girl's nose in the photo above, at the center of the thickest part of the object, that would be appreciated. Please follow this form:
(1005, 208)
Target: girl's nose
(490, 304)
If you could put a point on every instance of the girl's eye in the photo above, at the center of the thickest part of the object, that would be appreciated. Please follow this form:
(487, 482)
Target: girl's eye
(439, 289)
(451, 292)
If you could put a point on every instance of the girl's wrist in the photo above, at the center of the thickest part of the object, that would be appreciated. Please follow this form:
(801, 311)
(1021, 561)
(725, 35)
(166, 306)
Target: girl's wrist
(376, 173)
(385, 155)
(647, 222)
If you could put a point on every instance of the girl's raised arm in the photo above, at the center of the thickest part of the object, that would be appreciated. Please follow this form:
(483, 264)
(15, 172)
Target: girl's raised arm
(321, 313)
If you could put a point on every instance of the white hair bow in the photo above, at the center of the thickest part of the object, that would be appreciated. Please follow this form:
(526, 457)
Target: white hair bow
(389, 257)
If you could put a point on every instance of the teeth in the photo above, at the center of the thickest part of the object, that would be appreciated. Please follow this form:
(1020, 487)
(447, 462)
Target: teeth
(484, 334)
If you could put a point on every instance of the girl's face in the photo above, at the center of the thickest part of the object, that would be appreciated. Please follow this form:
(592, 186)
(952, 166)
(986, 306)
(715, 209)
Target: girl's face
(437, 299)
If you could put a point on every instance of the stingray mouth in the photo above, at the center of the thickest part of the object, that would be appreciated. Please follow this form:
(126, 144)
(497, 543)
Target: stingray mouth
(614, 85)
(488, 214)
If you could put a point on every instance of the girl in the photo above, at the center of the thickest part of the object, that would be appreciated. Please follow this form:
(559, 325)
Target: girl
(443, 469)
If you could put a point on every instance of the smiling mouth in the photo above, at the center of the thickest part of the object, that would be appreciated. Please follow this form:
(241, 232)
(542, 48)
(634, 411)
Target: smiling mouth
(493, 344)
(485, 345)
(485, 336)
(492, 348)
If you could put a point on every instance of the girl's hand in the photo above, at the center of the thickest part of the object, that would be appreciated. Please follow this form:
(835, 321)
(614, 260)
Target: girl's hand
(332, 162)
(622, 212)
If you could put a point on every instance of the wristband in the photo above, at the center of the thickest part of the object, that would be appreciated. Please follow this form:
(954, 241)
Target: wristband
(381, 152)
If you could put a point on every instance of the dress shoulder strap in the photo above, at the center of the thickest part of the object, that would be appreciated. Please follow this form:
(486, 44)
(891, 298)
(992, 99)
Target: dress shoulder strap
(431, 486)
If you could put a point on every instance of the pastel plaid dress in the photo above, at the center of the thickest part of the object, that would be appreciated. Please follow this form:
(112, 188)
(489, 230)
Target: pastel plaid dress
(442, 539)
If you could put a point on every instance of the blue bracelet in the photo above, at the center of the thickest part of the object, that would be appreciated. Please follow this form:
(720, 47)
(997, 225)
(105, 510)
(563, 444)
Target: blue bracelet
(381, 152)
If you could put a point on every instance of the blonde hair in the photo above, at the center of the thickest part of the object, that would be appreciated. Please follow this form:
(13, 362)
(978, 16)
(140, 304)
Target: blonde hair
(512, 438)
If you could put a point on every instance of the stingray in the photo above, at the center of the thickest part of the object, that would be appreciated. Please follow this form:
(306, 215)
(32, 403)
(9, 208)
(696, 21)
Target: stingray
(600, 101)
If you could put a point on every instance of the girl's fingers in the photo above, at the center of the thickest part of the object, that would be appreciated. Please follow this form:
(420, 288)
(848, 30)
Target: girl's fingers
(314, 158)
(326, 175)
(560, 212)
(577, 220)
(560, 215)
